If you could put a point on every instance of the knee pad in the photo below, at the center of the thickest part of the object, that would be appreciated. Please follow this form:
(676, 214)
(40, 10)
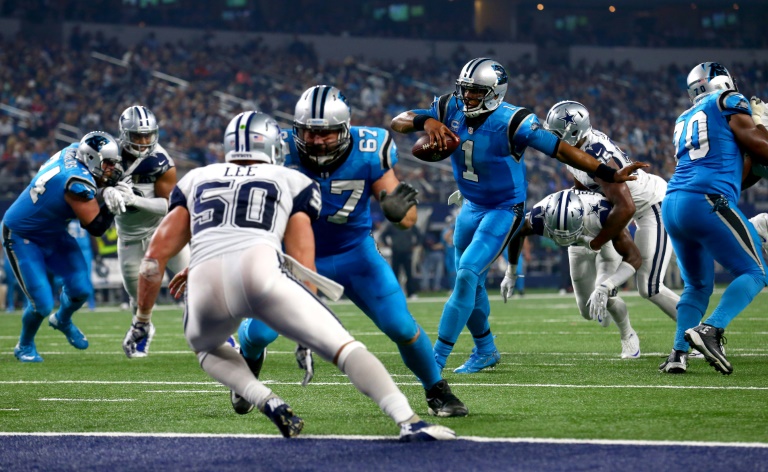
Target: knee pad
(341, 355)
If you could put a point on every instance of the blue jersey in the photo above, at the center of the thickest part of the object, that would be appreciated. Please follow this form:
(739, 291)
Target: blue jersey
(488, 166)
(41, 210)
(708, 157)
(345, 219)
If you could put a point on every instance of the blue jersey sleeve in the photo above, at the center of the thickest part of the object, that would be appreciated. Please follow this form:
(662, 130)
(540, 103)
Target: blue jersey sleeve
(530, 133)
(308, 201)
(439, 108)
(82, 187)
(177, 199)
(732, 102)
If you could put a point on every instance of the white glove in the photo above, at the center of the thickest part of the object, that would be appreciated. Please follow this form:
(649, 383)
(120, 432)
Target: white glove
(127, 193)
(137, 333)
(508, 284)
(759, 111)
(584, 241)
(598, 302)
(306, 361)
(456, 198)
(114, 200)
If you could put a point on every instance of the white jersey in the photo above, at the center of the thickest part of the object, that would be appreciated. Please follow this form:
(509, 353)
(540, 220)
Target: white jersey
(234, 207)
(761, 225)
(647, 190)
(596, 209)
(136, 224)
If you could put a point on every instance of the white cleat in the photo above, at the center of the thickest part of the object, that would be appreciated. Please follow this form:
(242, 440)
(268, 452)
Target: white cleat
(423, 432)
(630, 347)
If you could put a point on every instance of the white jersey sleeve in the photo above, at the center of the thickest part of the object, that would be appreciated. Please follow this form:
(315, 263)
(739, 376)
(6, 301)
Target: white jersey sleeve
(647, 190)
(136, 224)
(234, 207)
(760, 223)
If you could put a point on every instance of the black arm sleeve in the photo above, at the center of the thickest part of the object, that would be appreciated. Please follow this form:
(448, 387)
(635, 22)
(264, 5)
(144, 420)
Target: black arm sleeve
(101, 223)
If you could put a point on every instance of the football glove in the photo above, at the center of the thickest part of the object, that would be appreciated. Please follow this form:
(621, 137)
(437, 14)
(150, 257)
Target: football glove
(584, 241)
(396, 205)
(113, 199)
(306, 362)
(456, 198)
(138, 332)
(598, 302)
(759, 111)
(508, 284)
(127, 193)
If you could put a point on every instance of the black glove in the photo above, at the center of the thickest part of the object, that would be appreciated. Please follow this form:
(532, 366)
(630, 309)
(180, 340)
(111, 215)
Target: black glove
(396, 205)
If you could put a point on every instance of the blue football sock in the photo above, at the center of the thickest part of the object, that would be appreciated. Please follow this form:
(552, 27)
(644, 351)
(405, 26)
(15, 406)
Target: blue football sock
(442, 351)
(736, 297)
(68, 307)
(30, 324)
(419, 357)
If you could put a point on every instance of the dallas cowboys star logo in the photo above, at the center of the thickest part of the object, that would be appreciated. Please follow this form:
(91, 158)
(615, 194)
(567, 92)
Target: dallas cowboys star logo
(568, 119)
(596, 208)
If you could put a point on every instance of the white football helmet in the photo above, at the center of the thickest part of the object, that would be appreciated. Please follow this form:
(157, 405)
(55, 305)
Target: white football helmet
(569, 121)
(708, 77)
(322, 108)
(100, 152)
(485, 75)
(253, 136)
(564, 217)
(137, 123)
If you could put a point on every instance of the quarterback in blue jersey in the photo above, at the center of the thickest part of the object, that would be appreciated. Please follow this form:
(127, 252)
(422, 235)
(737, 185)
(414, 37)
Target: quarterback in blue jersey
(490, 172)
(352, 163)
(36, 239)
(701, 216)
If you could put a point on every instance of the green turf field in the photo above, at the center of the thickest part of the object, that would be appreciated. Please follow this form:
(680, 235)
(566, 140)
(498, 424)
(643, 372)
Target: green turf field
(559, 377)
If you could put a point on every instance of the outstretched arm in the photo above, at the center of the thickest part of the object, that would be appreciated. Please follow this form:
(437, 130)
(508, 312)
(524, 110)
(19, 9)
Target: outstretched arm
(579, 159)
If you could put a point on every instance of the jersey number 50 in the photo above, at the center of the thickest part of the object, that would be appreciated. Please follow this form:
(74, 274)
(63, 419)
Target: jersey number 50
(253, 205)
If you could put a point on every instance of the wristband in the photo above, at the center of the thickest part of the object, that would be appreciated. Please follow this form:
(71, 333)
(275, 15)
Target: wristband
(511, 270)
(606, 173)
(418, 122)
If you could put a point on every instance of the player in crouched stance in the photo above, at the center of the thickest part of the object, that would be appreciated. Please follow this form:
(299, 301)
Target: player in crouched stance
(236, 216)
(574, 216)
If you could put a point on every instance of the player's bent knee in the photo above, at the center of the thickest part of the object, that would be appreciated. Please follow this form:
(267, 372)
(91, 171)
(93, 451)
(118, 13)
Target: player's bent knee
(341, 355)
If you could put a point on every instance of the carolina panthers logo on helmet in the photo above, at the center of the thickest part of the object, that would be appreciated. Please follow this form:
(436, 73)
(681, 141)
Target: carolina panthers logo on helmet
(97, 142)
(501, 74)
(716, 69)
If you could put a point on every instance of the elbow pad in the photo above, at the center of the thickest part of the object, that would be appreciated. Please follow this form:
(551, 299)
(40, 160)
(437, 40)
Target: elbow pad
(101, 223)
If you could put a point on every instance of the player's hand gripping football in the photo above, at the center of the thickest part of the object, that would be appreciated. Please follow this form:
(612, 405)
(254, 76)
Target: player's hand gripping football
(396, 204)
(306, 362)
(137, 333)
(440, 133)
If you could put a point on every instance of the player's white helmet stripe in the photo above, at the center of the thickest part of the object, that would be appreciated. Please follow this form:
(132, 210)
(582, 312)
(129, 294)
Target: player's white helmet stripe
(708, 77)
(135, 122)
(253, 136)
(568, 120)
(564, 218)
(486, 75)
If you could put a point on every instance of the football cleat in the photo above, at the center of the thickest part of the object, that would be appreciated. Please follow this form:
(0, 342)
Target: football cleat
(75, 337)
(630, 347)
(442, 402)
(240, 404)
(676, 363)
(709, 341)
(695, 354)
(142, 347)
(27, 353)
(478, 362)
(282, 415)
(422, 431)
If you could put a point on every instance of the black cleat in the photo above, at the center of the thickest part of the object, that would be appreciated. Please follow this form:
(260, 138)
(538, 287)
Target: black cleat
(282, 415)
(709, 341)
(676, 363)
(442, 402)
(240, 404)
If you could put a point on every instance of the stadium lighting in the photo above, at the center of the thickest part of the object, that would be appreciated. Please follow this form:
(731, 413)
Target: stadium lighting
(612, 9)
(540, 6)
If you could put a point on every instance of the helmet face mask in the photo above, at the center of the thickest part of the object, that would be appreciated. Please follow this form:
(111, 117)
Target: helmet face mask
(138, 131)
(483, 80)
(569, 121)
(321, 124)
(99, 151)
(253, 136)
(564, 218)
(708, 77)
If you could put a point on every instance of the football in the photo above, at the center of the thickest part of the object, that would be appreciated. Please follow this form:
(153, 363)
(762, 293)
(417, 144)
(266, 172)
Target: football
(428, 152)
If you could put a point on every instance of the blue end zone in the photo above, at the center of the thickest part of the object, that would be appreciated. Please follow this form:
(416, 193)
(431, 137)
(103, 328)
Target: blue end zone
(117, 453)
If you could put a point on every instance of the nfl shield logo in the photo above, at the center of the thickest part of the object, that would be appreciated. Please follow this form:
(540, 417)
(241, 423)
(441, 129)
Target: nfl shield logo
(471, 130)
